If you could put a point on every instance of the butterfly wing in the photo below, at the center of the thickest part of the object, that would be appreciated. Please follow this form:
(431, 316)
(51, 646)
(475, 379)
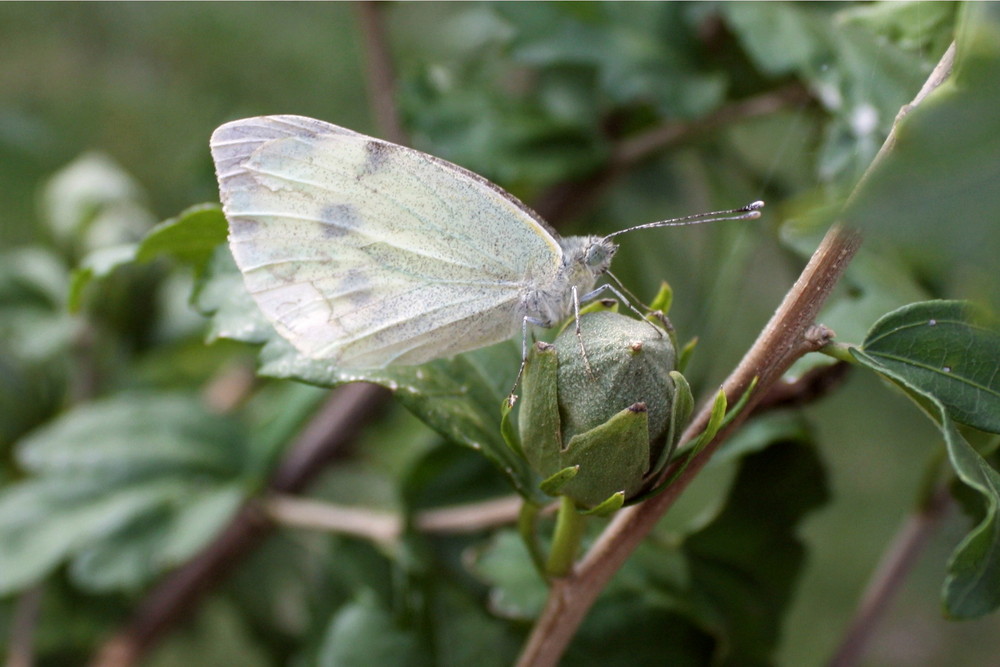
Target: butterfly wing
(368, 253)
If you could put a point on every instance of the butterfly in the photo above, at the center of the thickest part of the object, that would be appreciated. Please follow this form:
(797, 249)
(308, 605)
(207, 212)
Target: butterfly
(367, 254)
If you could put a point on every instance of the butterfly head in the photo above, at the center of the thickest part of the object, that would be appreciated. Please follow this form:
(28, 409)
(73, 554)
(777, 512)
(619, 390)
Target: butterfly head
(598, 254)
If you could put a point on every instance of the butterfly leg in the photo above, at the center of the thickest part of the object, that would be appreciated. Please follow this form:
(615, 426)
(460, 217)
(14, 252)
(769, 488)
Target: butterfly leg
(607, 287)
(579, 333)
(512, 397)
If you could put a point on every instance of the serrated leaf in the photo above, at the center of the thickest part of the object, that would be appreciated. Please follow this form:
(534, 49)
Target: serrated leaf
(130, 485)
(222, 294)
(190, 238)
(457, 397)
(972, 587)
(949, 349)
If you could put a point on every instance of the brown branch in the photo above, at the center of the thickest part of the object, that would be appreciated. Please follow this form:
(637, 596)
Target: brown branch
(887, 580)
(811, 387)
(387, 527)
(21, 647)
(782, 341)
(380, 73)
(331, 432)
(786, 337)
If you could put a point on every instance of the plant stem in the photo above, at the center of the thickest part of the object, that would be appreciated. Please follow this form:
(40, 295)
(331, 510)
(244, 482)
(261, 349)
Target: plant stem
(21, 644)
(785, 338)
(387, 527)
(888, 577)
(380, 75)
(566, 540)
(527, 523)
(838, 351)
(781, 342)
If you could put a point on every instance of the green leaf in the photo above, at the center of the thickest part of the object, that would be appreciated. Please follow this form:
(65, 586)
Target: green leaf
(942, 167)
(125, 488)
(364, 634)
(99, 264)
(663, 299)
(156, 539)
(864, 78)
(972, 587)
(949, 349)
(222, 294)
(633, 628)
(555, 482)
(744, 564)
(457, 397)
(191, 238)
(465, 634)
(518, 592)
(611, 505)
(34, 326)
(609, 456)
(93, 203)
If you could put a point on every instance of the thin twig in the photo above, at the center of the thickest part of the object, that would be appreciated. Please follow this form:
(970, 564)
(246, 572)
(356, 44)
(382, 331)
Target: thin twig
(21, 647)
(380, 74)
(386, 527)
(812, 386)
(897, 562)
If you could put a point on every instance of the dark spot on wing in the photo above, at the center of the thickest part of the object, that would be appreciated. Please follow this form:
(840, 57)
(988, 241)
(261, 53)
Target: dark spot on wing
(243, 227)
(356, 287)
(376, 156)
(337, 220)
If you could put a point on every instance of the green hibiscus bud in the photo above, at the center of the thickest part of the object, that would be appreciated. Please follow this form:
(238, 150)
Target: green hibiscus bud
(599, 427)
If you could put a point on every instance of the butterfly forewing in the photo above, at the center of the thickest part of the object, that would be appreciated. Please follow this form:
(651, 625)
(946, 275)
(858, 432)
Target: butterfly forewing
(369, 253)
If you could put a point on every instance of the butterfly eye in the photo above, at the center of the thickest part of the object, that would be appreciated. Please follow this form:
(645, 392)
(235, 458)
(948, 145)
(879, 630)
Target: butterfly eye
(599, 253)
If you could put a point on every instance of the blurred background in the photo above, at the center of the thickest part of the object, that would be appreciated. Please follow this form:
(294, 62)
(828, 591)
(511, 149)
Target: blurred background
(603, 116)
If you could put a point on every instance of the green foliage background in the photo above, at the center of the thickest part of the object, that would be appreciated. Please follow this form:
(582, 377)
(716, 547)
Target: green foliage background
(531, 96)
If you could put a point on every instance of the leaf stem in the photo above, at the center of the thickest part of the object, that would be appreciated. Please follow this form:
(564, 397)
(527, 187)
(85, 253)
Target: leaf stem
(566, 539)
(838, 351)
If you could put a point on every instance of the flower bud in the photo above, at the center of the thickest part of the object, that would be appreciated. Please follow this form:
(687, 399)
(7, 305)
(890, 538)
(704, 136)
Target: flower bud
(593, 423)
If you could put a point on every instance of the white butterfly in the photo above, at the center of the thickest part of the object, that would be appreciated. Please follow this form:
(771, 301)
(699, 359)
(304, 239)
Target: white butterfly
(367, 253)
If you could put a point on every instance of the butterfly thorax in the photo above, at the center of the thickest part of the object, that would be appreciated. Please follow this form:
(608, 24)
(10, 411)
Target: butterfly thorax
(584, 259)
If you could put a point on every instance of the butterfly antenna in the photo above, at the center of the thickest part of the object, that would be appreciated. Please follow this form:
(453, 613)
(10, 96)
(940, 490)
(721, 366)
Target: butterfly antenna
(749, 212)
